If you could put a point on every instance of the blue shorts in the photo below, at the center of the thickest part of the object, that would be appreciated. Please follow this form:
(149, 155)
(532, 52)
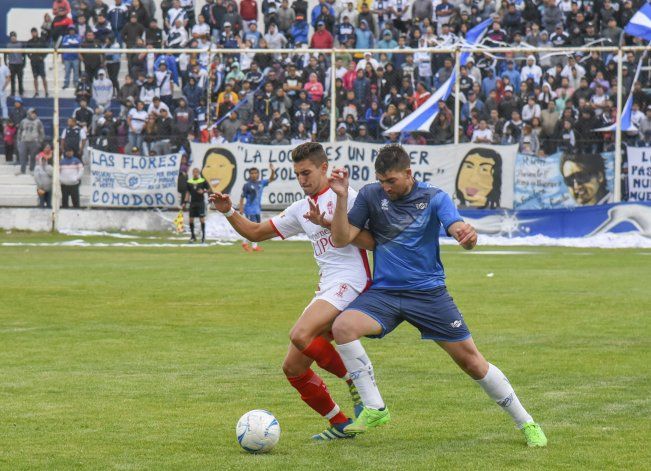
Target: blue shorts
(432, 312)
(253, 217)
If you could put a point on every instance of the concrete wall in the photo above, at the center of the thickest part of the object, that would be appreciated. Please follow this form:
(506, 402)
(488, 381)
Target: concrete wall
(38, 220)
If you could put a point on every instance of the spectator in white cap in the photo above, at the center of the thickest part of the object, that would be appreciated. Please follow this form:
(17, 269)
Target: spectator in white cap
(531, 71)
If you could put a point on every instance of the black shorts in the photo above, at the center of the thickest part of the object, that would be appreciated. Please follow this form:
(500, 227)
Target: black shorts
(38, 69)
(198, 210)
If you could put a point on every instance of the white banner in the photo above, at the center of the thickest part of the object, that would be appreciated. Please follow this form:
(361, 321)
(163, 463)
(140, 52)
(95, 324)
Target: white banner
(639, 173)
(475, 176)
(133, 181)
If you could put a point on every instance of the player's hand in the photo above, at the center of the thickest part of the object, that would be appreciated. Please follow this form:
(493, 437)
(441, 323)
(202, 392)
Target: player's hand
(338, 181)
(221, 202)
(315, 216)
(467, 236)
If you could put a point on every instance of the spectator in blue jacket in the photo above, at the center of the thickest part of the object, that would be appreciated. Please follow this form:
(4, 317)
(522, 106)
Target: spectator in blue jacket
(299, 30)
(365, 39)
(488, 83)
(117, 16)
(243, 135)
(387, 42)
(193, 92)
(70, 60)
(513, 74)
(316, 12)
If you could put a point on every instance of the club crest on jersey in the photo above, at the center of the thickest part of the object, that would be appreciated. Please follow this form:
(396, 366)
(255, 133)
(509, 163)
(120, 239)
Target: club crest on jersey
(330, 208)
(384, 204)
(342, 289)
(421, 205)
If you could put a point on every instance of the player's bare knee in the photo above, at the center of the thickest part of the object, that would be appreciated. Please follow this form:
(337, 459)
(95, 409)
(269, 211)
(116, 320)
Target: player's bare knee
(344, 329)
(291, 370)
(474, 365)
(300, 337)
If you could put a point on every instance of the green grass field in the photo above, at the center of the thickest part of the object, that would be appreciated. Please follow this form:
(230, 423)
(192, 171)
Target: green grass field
(144, 358)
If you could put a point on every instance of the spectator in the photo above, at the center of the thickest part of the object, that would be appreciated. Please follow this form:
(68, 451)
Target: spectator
(117, 17)
(92, 62)
(37, 61)
(528, 141)
(30, 135)
(321, 39)
(16, 63)
(70, 60)
(483, 134)
(74, 137)
(9, 137)
(136, 120)
(71, 171)
(102, 89)
(43, 177)
(18, 113)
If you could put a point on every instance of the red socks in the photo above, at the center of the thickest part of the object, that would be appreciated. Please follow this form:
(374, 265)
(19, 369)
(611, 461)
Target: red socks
(315, 394)
(325, 355)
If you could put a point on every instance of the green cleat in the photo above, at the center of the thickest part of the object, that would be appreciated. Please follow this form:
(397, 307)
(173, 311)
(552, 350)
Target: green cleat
(369, 418)
(336, 432)
(357, 400)
(534, 434)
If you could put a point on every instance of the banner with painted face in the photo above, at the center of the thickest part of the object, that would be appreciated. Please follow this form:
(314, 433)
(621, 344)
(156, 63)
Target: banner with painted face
(475, 176)
(563, 180)
(639, 173)
(133, 181)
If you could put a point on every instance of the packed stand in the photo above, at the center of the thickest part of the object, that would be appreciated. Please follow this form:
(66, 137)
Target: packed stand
(545, 102)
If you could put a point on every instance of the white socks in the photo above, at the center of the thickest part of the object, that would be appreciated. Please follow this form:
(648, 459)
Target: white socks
(361, 372)
(499, 389)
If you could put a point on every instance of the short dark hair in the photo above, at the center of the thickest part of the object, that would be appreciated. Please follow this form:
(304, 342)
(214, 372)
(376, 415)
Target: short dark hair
(312, 151)
(590, 163)
(392, 157)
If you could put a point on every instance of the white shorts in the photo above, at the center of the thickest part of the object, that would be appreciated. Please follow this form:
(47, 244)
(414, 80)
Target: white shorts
(340, 295)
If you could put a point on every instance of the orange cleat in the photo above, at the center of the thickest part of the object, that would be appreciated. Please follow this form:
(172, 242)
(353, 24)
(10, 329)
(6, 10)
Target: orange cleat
(246, 247)
(257, 248)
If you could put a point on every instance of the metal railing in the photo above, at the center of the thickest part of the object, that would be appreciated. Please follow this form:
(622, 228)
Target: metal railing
(332, 53)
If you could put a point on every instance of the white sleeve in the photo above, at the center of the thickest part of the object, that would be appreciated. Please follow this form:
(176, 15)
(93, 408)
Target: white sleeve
(352, 196)
(287, 224)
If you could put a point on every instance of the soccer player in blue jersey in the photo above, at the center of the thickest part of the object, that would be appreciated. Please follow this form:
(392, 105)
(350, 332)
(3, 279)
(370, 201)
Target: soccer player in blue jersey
(404, 216)
(251, 201)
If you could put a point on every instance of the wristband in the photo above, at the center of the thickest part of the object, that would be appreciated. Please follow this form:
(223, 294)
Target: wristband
(229, 213)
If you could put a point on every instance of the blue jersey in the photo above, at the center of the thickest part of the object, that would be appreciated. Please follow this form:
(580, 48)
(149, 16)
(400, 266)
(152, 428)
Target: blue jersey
(252, 194)
(406, 233)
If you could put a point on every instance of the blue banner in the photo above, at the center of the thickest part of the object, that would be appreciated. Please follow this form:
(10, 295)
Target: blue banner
(566, 222)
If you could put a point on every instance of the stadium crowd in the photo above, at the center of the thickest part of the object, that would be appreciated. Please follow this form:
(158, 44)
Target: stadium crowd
(544, 102)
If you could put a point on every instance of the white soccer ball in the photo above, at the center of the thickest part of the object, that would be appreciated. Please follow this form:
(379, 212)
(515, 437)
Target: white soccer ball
(257, 431)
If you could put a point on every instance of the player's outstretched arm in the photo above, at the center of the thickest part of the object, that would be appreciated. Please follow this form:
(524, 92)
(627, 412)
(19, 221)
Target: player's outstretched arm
(464, 233)
(343, 233)
(364, 239)
(253, 231)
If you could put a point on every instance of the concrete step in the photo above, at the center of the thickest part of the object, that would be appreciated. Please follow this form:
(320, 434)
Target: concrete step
(7, 180)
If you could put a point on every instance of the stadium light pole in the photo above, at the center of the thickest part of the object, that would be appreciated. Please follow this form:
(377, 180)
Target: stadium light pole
(56, 187)
(457, 71)
(617, 190)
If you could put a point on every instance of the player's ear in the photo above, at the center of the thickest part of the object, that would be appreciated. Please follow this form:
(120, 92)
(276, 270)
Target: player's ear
(408, 172)
(324, 167)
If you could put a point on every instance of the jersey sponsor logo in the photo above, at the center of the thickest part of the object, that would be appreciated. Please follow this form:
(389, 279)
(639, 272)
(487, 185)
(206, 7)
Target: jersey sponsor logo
(322, 244)
(384, 204)
(342, 289)
(330, 208)
(456, 324)
(421, 205)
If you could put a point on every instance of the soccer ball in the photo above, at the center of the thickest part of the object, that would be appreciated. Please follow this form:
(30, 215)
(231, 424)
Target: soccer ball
(257, 431)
